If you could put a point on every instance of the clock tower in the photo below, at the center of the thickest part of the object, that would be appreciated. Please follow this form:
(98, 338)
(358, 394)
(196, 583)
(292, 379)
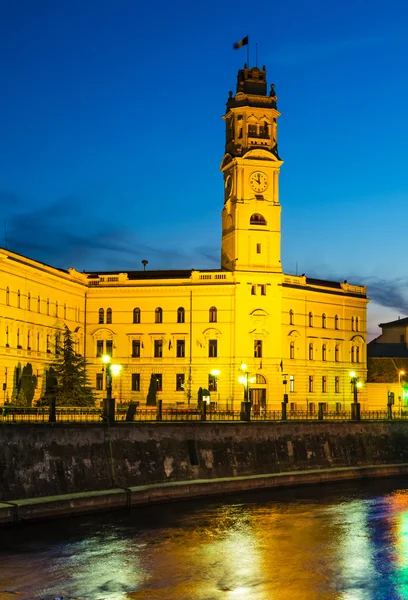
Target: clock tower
(251, 164)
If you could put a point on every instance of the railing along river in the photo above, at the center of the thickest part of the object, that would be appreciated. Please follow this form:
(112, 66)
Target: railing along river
(149, 414)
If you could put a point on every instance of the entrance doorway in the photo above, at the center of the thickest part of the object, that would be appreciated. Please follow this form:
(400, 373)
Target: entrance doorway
(257, 396)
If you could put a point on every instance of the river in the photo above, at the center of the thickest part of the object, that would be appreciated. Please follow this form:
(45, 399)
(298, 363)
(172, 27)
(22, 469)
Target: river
(347, 541)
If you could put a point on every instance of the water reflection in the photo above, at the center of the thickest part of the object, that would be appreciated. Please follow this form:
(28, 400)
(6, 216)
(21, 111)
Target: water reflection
(302, 544)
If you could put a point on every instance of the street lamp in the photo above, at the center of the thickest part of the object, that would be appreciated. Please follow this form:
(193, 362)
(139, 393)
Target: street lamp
(400, 393)
(111, 369)
(245, 379)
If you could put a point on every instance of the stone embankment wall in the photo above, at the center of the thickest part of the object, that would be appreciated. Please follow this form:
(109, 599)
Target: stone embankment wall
(54, 459)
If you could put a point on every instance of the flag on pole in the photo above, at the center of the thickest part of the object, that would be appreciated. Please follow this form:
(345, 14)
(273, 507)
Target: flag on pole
(243, 42)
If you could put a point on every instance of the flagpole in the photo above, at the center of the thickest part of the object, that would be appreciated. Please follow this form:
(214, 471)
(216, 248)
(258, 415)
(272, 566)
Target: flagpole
(248, 54)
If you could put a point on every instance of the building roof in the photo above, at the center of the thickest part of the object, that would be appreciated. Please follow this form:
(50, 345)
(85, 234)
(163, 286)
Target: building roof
(162, 274)
(379, 350)
(396, 322)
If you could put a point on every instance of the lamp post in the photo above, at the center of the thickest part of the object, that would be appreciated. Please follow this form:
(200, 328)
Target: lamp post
(400, 391)
(356, 384)
(109, 404)
(245, 380)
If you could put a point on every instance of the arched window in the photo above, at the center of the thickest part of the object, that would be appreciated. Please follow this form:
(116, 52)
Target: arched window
(158, 315)
(292, 349)
(28, 301)
(28, 340)
(357, 354)
(257, 219)
(336, 321)
(136, 315)
(180, 315)
(324, 353)
(324, 321)
(337, 353)
(109, 315)
(352, 354)
(18, 299)
(352, 323)
(7, 297)
(310, 319)
(357, 325)
(260, 379)
(310, 351)
(213, 315)
(101, 318)
(291, 317)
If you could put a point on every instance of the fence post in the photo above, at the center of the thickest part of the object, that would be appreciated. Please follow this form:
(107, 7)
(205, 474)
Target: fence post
(159, 410)
(245, 411)
(284, 413)
(203, 411)
(355, 411)
(53, 412)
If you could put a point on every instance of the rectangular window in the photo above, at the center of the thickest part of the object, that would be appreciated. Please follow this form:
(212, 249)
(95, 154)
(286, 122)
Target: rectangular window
(402, 339)
(312, 407)
(292, 350)
(258, 248)
(324, 384)
(212, 383)
(338, 406)
(158, 348)
(263, 289)
(291, 383)
(292, 406)
(109, 347)
(336, 353)
(135, 348)
(337, 385)
(324, 352)
(99, 348)
(135, 382)
(181, 348)
(253, 290)
(252, 130)
(311, 387)
(99, 381)
(310, 351)
(212, 348)
(180, 377)
(257, 348)
(159, 378)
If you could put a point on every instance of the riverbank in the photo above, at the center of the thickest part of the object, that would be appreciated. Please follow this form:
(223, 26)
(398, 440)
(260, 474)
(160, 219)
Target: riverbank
(53, 469)
(31, 509)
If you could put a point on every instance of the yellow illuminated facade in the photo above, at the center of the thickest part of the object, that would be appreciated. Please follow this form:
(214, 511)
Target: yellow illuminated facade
(197, 328)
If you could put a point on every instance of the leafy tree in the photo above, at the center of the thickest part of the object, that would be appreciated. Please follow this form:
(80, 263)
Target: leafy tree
(72, 387)
(152, 393)
(26, 386)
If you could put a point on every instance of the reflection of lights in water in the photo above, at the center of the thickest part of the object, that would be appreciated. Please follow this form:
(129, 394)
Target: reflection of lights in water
(398, 505)
(354, 558)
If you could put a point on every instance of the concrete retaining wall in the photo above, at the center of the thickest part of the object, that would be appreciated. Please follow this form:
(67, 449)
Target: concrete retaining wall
(53, 459)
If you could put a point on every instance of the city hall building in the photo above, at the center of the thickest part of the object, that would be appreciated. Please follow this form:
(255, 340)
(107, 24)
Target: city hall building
(244, 324)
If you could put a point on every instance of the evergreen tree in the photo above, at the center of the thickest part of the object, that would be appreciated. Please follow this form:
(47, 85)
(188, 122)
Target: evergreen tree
(26, 386)
(152, 393)
(72, 387)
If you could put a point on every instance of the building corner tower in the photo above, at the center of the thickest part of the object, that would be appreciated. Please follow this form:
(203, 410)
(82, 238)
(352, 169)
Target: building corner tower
(251, 164)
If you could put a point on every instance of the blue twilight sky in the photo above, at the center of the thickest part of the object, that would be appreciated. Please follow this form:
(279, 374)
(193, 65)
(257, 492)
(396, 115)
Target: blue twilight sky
(111, 134)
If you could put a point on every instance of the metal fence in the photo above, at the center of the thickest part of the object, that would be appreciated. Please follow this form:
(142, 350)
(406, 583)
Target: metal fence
(151, 414)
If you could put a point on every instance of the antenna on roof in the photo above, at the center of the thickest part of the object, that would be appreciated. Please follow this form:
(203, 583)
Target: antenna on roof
(144, 263)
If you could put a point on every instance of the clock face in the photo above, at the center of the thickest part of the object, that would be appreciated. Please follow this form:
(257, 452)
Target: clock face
(258, 181)
(228, 186)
